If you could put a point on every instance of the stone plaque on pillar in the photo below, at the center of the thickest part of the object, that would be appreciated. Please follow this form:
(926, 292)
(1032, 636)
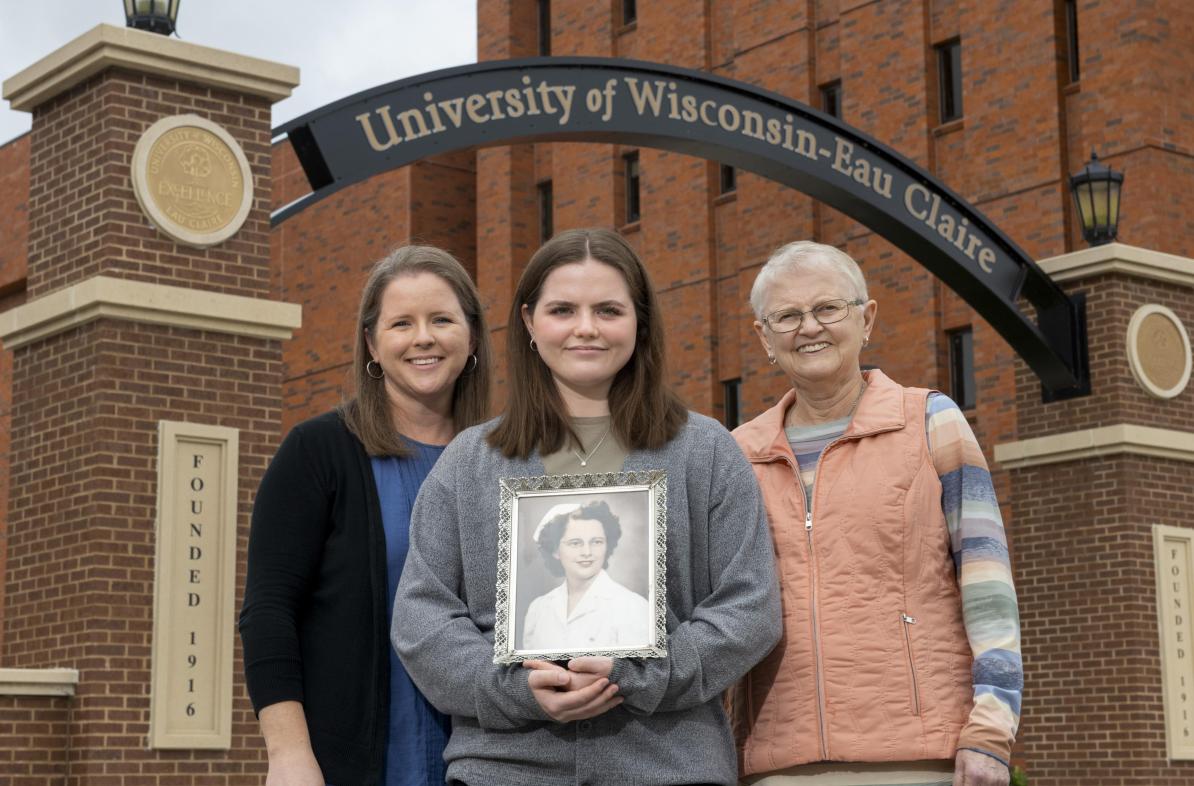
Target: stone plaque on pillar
(1159, 351)
(193, 625)
(1174, 547)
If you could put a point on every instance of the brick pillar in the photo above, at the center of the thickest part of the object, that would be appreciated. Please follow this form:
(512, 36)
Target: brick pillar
(125, 327)
(1088, 488)
(507, 219)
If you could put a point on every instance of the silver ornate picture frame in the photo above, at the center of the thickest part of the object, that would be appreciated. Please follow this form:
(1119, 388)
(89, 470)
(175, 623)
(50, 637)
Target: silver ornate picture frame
(582, 567)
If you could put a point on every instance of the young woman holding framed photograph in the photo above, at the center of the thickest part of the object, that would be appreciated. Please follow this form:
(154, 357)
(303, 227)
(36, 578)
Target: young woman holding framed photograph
(587, 394)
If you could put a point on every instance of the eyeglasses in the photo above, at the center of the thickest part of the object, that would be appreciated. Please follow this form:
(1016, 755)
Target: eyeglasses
(788, 319)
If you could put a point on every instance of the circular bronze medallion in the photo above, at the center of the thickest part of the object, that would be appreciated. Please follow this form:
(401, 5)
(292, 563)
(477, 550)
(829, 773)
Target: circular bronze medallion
(1159, 351)
(192, 180)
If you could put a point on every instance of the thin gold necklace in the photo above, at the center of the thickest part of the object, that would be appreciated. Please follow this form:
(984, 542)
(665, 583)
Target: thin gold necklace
(584, 460)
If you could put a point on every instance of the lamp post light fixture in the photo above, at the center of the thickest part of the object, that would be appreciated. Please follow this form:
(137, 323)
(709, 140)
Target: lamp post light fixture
(156, 16)
(1096, 192)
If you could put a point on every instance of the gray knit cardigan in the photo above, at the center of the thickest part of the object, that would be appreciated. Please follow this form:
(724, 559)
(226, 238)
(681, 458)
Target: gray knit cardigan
(723, 617)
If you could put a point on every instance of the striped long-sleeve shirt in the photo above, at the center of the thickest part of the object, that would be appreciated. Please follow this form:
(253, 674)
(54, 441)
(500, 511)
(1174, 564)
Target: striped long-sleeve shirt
(980, 554)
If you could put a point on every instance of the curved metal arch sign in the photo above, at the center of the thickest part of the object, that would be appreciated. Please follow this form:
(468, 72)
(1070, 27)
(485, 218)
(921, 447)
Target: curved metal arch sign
(653, 105)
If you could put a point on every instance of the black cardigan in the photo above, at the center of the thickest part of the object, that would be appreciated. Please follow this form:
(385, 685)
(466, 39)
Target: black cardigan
(314, 622)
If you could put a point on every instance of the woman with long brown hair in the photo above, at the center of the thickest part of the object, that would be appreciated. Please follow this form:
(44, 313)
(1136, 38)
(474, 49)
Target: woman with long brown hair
(330, 534)
(588, 394)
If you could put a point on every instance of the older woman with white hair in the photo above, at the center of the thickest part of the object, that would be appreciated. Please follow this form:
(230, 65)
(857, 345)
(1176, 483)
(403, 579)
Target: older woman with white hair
(900, 662)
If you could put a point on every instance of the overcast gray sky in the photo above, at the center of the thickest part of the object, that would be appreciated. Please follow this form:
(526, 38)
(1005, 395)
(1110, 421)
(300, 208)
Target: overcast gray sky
(340, 46)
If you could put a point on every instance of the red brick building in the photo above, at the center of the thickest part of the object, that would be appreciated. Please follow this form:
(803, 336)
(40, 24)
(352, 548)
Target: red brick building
(1022, 125)
(1000, 101)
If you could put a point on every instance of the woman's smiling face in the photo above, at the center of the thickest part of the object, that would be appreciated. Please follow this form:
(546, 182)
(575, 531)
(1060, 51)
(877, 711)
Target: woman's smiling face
(814, 354)
(421, 340)
(582, 549)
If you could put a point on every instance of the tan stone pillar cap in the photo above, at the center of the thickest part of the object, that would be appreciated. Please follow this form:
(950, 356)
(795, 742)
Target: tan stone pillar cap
(105, 297)
(38, 682)
(108, 46)
(1120, 258)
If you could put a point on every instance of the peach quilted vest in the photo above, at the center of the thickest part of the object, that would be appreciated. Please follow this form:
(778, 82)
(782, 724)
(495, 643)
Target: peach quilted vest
(874, 664)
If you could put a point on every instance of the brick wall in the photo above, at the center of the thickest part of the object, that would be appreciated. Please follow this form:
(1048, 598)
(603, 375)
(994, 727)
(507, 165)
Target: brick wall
(1010, 128)
(14, 208)
(1084, 562)
(14, 225)
(1084, 570)
(83, 216)
(506, 195)
(81, 537)
(704, 249)
(1132, 106)
(1116, 397)
(689, 235)
(86, 403)
(34, 740)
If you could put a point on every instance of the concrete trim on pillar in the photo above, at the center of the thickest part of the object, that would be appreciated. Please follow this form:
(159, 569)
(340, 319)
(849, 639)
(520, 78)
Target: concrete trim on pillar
(1120, 258)
(108, 46)
(38, 682)
(1096, 442)
(138, 301)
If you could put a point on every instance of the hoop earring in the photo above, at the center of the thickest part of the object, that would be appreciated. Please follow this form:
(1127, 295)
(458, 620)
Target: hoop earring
(534, 348)
(369, 370)
(474, 368)
(866, 340)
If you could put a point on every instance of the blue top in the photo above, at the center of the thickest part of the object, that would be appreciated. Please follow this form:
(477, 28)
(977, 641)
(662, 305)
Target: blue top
(418, 732)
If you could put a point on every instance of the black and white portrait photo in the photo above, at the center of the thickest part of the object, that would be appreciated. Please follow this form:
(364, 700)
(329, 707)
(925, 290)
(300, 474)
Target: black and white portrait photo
(582, 572)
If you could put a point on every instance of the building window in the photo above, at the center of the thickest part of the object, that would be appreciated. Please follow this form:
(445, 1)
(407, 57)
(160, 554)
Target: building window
(732, 389)
(633, 209)
(728, 181)
(949, 80)
(961, 367)
(545, 27)
(629, 12)
(1071, 38)
(831, 98)
(546, 227)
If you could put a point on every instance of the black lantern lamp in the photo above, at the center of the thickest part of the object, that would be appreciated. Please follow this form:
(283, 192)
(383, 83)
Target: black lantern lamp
(1096, 193)
(156, 16)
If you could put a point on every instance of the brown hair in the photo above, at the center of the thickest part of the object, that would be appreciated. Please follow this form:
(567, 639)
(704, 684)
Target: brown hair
(368, 414)
(644, 411)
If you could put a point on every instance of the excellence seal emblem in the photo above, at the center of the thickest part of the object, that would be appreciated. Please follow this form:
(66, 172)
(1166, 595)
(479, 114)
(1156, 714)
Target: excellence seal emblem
(1159, 351)
(192, 179)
